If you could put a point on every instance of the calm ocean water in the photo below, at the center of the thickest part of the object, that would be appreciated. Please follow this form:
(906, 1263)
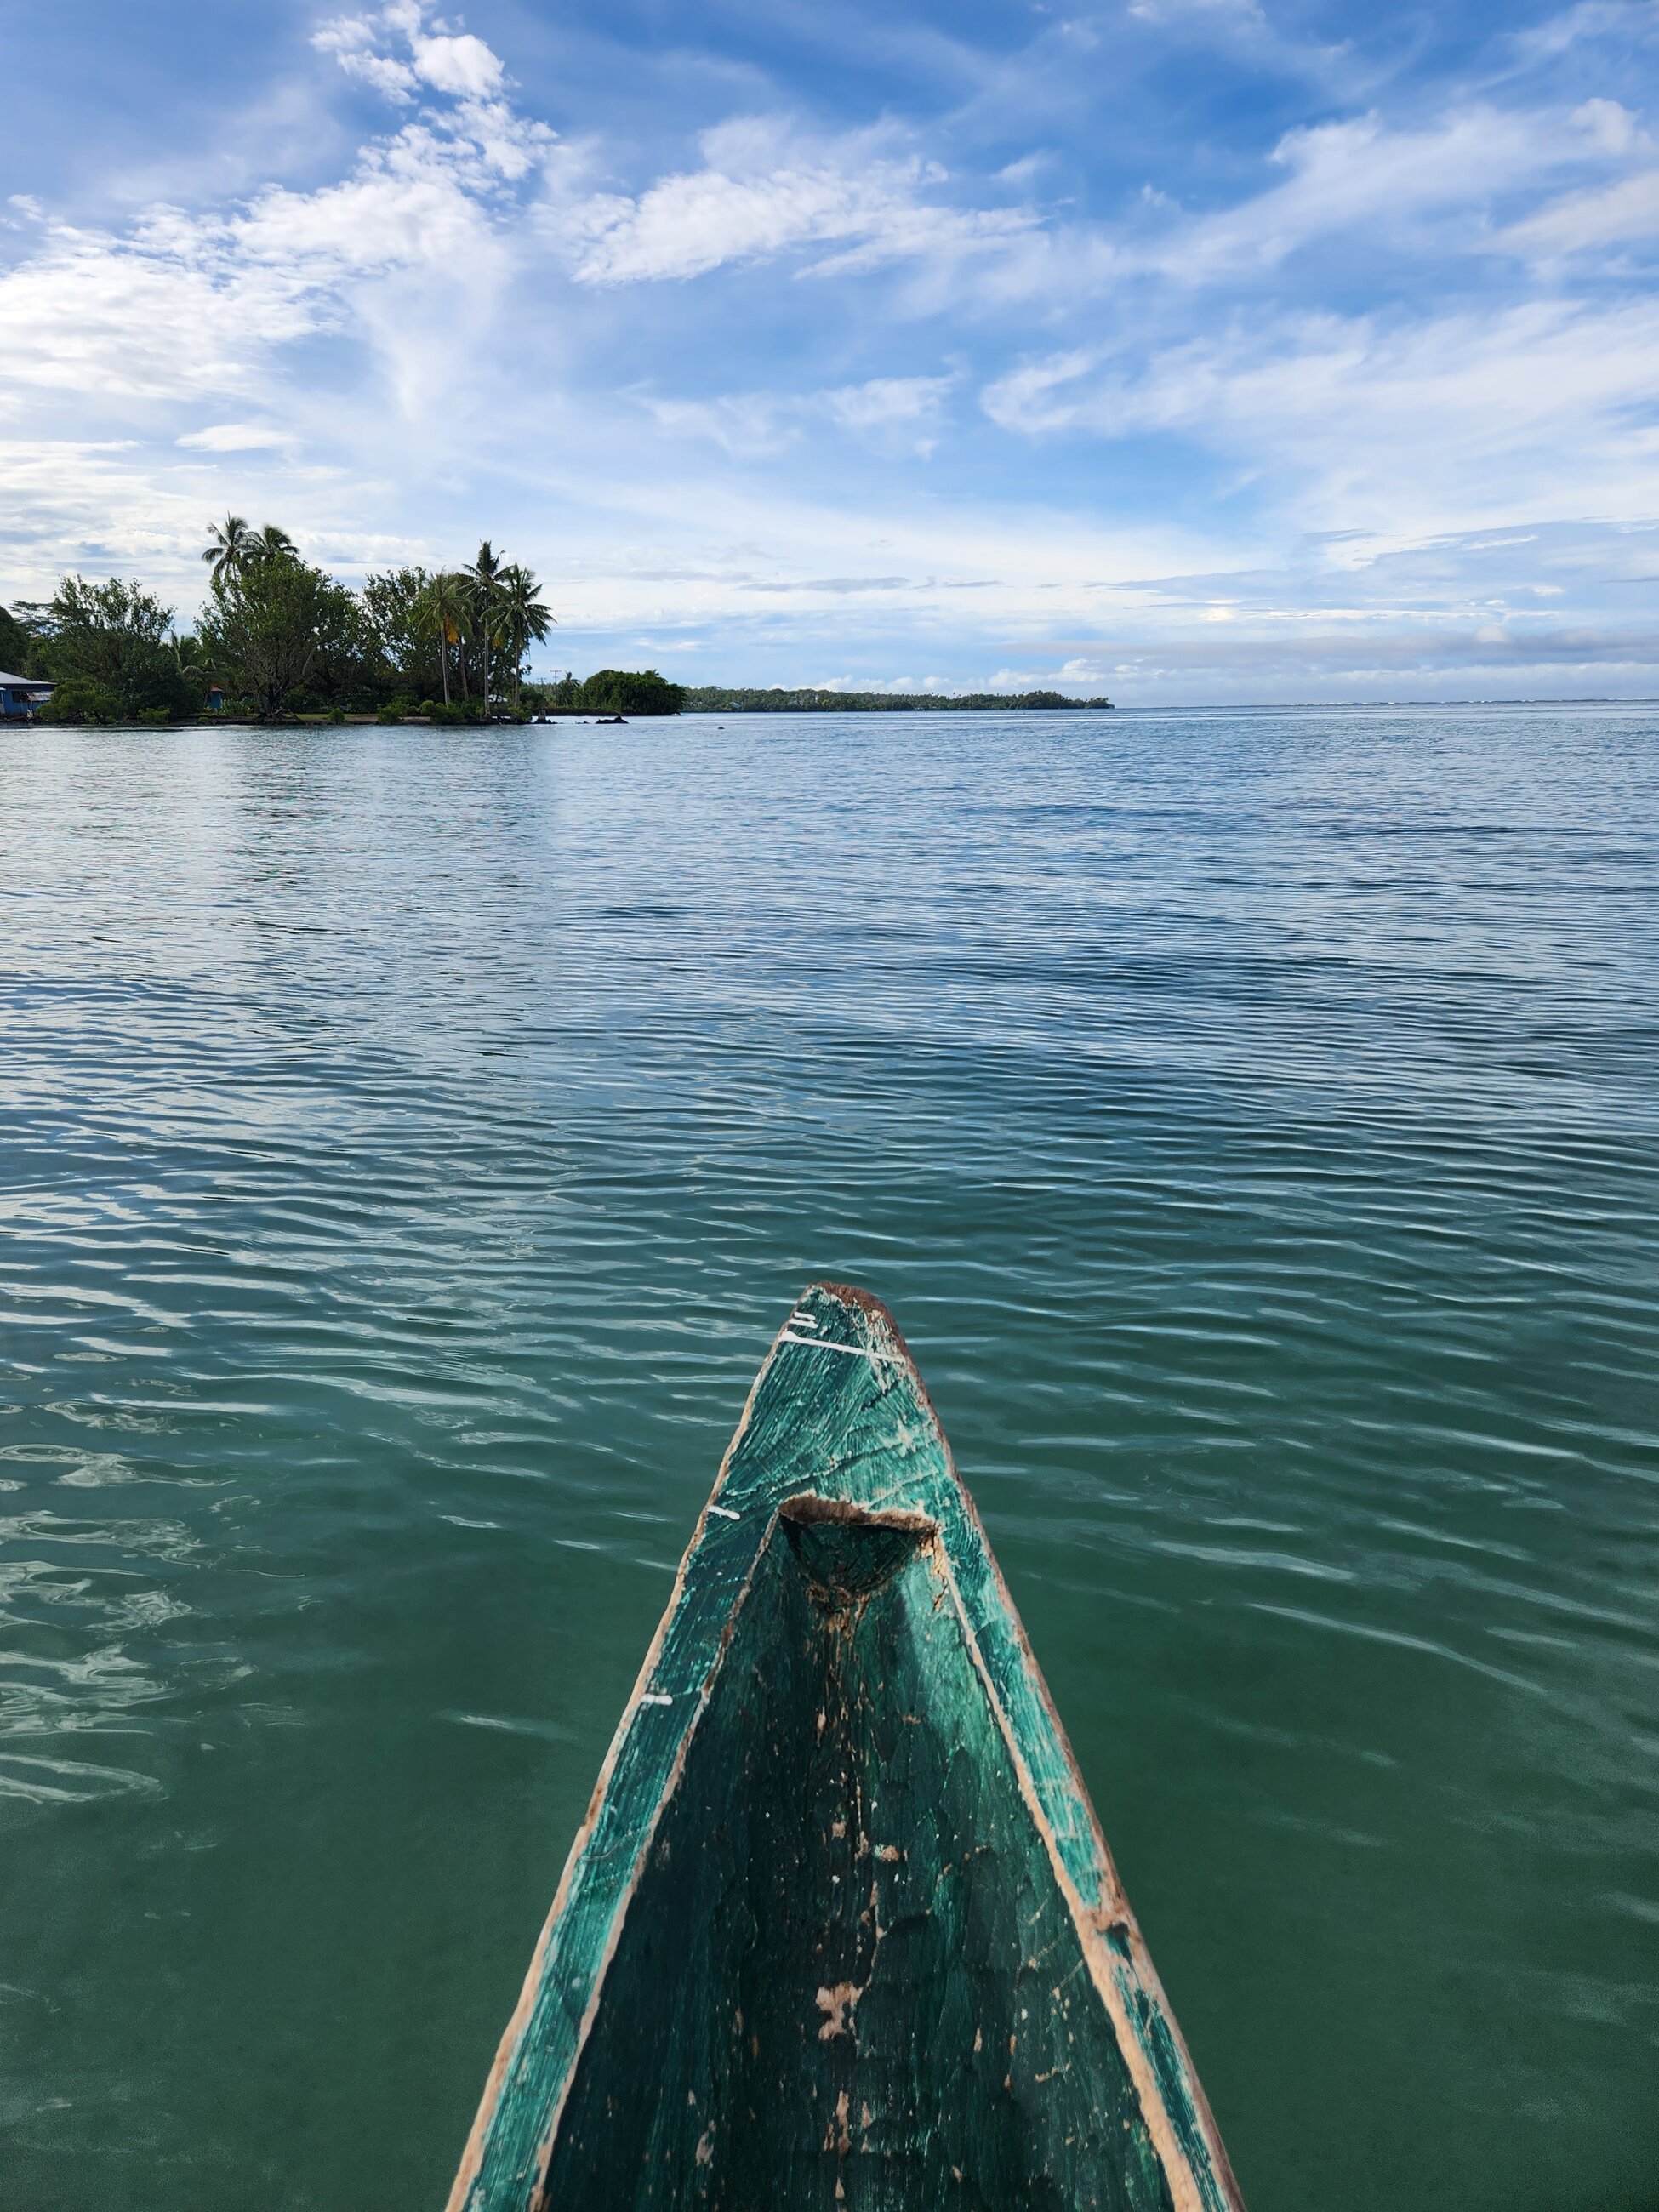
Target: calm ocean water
(410, 1144)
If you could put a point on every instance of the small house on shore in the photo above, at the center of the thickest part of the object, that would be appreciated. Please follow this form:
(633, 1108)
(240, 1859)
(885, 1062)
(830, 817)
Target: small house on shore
(22, 697)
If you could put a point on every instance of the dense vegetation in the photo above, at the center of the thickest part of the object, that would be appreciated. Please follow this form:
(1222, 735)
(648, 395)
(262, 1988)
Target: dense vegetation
(608, 691)
(279, 636)
(109, 648)
(714, 699)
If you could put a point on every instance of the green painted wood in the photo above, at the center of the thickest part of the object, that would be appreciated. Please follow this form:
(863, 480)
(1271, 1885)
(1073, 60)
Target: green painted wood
(840, 1929)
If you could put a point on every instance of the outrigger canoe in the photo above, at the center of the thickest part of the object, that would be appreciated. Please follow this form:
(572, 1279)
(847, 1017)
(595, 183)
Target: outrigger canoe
(840, 1930)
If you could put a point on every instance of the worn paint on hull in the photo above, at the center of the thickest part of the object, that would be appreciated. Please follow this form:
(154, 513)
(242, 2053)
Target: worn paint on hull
(840, 1928)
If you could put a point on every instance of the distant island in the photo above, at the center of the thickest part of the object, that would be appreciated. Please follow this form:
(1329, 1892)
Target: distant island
(713, 699)
(279, 640)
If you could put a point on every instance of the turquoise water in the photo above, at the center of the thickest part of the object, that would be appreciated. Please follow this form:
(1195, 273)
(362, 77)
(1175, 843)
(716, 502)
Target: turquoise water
(410, 1143)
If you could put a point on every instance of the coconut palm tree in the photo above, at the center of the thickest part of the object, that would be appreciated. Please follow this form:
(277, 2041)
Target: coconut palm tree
(446, 610)
(523, 617)
(485, 577)
(272, 543)
(196, 664)
(229, 543)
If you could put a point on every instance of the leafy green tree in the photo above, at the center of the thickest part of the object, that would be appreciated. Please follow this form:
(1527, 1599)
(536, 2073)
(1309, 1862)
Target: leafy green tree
(16, 644)
(196, 666)
(631, 691)
(718, 698)
(485, 576)
(445, 613)
(524, 618)
(119, 637)
(81, 699)
(348, 670)
(272, 622)
(399, 634)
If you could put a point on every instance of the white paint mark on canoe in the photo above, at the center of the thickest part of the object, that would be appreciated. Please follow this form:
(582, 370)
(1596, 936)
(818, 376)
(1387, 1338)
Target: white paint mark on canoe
(725, 1513)
(655, 1697)
(856, 1351)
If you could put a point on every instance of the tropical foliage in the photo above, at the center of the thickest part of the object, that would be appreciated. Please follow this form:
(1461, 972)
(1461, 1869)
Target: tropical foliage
(525, 620)
(279, 635)
(445, 611)
(83, 699)
(716, 699)
(272, 621)
(626, 691)
(110, 650)
(17, 643)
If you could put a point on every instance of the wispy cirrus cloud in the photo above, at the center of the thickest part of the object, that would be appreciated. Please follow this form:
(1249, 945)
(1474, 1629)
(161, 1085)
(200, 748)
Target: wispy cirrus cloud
(186, 302)
(236, 437)
(764, 189)
(885, 410)
(1358, 178)
(1399, 425)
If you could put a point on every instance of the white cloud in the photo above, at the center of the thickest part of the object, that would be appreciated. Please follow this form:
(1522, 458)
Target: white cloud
(1350, 178)
(1581, 25)
(187, 303)
(449, 60)
(156, 315)
(763, 190)
(746, 425)
(1434, 188)
(236, 437)
(1609, 122)
(755, 425)
(463, 65)
(888, 401)
(1579, 221)
(1025, 398)
(1428, 425)
(891, 686)
(353, 41)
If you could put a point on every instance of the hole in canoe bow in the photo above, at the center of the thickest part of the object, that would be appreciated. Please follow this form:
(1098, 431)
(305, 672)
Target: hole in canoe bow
(847, 1550)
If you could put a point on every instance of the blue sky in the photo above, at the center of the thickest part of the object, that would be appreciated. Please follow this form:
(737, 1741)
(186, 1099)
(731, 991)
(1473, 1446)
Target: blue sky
(1184, 349)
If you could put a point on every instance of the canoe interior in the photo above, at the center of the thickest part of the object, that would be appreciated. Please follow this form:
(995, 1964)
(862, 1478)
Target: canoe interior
(840, 1930)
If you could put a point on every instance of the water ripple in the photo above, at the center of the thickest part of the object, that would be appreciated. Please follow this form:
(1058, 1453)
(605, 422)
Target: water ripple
(411, 1144)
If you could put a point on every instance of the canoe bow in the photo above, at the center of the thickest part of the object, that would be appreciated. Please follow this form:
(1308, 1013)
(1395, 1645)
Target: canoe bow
(840, 1927)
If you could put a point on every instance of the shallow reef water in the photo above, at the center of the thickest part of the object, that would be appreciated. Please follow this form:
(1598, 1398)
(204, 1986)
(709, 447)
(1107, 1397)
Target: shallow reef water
(409, 1142)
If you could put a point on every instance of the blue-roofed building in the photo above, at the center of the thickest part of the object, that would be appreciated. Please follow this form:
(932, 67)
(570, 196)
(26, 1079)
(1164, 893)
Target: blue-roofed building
(22, 696)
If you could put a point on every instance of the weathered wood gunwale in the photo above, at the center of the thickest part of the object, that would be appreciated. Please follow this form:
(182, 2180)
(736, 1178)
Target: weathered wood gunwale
(715, 2016)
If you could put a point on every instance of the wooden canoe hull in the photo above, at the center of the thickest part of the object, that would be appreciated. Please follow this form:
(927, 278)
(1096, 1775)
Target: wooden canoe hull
(840, 1929)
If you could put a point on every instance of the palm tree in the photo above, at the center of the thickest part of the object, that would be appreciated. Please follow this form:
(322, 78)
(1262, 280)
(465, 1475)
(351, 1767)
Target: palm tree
(446, 608)
(485, 576)
(272, 543)
(524, 616)
(229, 543)
(196, 663)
